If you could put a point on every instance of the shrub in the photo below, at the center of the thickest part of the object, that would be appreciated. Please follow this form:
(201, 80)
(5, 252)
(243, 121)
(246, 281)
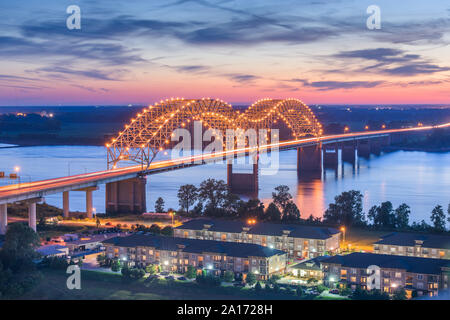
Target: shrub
(250, 279)
(208, 280)
(228, 276)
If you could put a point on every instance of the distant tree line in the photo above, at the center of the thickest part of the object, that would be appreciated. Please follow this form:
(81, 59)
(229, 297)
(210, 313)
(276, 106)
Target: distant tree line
(347, 210)
(214, 199)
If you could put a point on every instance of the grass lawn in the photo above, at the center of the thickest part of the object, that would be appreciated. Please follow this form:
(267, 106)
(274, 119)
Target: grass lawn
(361, 239)
(107, 286)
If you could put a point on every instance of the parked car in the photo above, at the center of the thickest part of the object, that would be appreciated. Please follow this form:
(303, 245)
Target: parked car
(334, 291)
(170, 278)
(182, 278)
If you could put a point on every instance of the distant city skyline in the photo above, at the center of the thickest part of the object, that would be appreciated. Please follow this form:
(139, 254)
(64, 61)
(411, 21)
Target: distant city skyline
(138, 52)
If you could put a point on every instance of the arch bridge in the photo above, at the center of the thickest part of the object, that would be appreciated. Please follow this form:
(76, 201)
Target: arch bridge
(150, 131)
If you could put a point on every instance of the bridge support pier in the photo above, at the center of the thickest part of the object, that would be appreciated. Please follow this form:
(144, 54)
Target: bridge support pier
(243, 182)
(127, 196)
(32, 212)
(66, 204)
(32, 215)
(89, 203)
(309, 159)
(331, 156)
(3, 218)
(348, 152)
(89, 207)
(363, 148)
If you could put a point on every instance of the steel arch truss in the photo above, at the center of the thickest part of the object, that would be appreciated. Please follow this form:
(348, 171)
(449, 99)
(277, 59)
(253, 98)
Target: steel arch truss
(151, 130)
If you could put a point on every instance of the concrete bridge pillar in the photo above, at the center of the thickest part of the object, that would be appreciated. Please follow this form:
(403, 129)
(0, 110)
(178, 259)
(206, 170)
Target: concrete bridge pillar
(363, 148)
(89, 206)
(126, 196)
(66, 204)
(331, 156)
(3, 218)
(89, 203)
(348, 152)
(32, 215)
(243, 182)
(32, 212)
(309, 159)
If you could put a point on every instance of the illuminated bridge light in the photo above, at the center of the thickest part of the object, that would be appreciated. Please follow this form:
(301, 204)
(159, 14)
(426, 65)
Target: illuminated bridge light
(214, 114)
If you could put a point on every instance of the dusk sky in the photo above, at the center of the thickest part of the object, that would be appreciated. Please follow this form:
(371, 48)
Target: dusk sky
(139, 52)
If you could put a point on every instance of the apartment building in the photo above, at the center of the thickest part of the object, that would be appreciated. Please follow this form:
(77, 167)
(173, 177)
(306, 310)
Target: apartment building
(420, 276)
(176, 254)
(296, 240)
(414, 245)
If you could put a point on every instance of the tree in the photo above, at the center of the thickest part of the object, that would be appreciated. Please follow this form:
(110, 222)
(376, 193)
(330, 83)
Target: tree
(448, 213)
(272, 213)
(346, 209)
(97, 222)
(252, 208)
(190, 273)
(438, 218)
(198, 209)
(17, 270)
(402, 216)
(291, 212)
(214, 193)
(282, 197)
(159, 205)
(152, 269)
(228, 276)
(18, 250)
(383, 215)
(167, 231)
(187, 195)
(154, 228)
(399, 294)
(231, 204)
(116, 265)
(258, 287)
(250, 279)
(132, 273)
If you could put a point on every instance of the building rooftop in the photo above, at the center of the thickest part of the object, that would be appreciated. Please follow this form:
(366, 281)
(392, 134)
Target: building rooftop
(83, 239)
(410, 264)
(232, 249)
(53, 249)
(410, 240)
(270, 229)
(311, 264)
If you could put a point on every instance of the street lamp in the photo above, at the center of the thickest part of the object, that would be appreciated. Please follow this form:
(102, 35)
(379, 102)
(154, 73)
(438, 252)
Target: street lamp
(172, 214)
(17, 169)
(343, 234)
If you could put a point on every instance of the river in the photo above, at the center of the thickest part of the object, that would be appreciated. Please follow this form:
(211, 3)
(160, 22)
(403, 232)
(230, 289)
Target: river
(420, 179)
